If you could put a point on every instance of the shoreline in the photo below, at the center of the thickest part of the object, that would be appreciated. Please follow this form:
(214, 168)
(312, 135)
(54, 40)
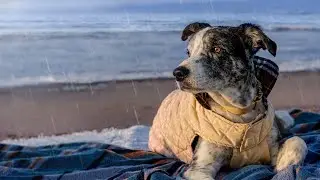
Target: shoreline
(93, 84)
(102, 83)
(55, 108)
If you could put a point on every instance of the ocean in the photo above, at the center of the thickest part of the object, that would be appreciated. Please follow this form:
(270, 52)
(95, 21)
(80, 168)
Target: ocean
(77, 41)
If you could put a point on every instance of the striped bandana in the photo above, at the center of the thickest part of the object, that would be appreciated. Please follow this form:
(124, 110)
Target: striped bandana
(267, 73)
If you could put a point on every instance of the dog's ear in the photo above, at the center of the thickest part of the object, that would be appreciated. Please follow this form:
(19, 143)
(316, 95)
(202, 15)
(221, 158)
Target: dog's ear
(193, 28)
(256, 39)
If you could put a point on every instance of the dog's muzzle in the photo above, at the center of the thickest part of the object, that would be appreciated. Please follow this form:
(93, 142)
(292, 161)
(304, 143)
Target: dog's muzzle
(180, 73)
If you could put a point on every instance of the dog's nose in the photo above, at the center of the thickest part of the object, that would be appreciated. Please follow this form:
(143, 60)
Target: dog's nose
(181, 73)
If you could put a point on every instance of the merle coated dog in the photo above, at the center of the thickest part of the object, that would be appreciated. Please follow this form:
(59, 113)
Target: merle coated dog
(220, 61)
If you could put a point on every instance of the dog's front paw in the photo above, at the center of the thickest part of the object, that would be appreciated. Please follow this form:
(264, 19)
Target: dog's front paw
(293, 152)
(195, 174)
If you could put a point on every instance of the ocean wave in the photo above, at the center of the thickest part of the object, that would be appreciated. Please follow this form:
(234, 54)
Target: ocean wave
(105, 31)
(284, 66)
(298, 65)
(301, 20)
(292, 28)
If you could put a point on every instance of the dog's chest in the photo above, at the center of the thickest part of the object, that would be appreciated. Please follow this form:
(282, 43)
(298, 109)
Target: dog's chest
(177, 124)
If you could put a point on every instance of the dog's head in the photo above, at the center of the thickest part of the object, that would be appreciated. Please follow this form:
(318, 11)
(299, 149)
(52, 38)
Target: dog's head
(220, 59)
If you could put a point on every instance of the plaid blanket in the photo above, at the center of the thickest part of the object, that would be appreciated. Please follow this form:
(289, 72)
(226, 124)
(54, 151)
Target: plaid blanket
(102, 161)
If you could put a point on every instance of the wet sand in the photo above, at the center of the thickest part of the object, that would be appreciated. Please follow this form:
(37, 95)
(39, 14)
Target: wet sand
(63, 108)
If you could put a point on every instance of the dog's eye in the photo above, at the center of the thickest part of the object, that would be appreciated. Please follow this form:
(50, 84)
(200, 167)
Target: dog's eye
(217, 49)
(188, 52)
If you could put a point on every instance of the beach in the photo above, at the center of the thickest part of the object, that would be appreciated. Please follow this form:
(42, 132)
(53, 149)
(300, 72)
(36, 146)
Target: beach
(48, 109)
(81, 82)
(92, 68)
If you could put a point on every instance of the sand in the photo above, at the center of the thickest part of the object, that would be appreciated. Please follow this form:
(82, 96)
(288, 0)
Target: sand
(63, 108)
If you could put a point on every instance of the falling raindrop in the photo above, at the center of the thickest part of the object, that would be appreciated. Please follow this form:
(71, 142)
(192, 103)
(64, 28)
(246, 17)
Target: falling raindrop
(136, 114)
(53, 124)
(11, 89)
(48, 65)
(127, 17)
(211, 5)
(91, 90)
(158, 92)
(127, 109)
(300, 92)
(81, 161)
(77, 105)
(31, 94)
(134, 88)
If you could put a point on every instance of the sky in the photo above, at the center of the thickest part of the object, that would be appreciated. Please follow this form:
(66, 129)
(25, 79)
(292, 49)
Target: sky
(21, 9)
(55, 5)
(143, 5)
(53, 8)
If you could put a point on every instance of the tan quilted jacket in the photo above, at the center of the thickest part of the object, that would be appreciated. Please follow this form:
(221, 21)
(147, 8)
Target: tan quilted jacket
(177, 124)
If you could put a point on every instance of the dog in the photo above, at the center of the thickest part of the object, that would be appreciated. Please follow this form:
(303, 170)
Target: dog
(218, 88)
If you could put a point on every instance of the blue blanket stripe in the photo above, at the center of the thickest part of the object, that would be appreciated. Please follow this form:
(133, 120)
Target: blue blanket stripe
(77, 161)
